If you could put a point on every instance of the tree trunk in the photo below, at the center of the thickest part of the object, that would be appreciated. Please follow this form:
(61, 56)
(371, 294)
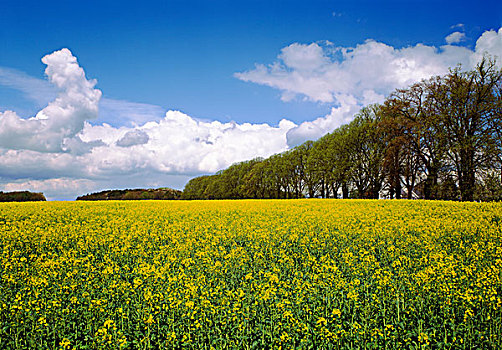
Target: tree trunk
(398, 188)
(335, 191)
(467, 178)
(345, 190)
(392, 191)
(311, 192)
(409, 192)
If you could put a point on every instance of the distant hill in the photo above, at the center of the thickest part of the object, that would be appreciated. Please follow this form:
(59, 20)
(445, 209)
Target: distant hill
(133, 194)
(21, 196)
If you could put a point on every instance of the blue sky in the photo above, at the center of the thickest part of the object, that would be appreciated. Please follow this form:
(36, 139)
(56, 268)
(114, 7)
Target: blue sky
(182, 54)
(203, 58)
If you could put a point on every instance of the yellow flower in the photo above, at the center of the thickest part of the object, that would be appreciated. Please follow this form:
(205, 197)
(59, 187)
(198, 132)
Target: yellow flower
(65, 343)
(336, 312)
(149, 320)
(322, 321)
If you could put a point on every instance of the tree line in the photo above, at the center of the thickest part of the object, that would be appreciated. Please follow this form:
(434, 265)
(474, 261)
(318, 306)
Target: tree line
(21, 196)
(440, 138)
(163, 193)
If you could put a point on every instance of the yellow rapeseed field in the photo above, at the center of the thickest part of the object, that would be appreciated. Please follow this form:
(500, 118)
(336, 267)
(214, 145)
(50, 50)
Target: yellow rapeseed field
(314, 274)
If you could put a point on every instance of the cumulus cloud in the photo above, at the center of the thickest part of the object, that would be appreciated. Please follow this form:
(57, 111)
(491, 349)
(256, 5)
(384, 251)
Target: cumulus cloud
(490, 42)
(312, 130)
(352, 77)
(180, 144)
(52, 128)
(177, 145)
(455, 38)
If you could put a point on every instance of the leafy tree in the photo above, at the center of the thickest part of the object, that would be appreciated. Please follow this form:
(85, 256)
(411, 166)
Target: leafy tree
(21, 196)
(411, 111)
(466, 105)
(366, 147)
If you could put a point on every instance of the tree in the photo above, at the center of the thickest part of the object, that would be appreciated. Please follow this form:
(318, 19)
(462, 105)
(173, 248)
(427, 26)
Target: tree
(466, 103)
(411, 111)
(294, 167)
(309, 173)
(365, 144)
(401, 162)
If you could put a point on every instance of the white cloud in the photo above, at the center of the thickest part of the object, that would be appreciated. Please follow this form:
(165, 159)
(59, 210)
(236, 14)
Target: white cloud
(52, 128)
(352, 77)
(490, 42)
(455, 38)
(321, 73)
(312, 130)
(307, 58)
(180, 144)
(177, 145)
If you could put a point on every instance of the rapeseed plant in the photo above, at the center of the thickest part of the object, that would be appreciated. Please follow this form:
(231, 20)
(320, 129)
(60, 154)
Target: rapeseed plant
(330, 274)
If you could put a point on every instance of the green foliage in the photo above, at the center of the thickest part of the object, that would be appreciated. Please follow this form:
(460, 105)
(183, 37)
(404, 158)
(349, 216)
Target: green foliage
(134, 194)
(21, 196)
(489, 188)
